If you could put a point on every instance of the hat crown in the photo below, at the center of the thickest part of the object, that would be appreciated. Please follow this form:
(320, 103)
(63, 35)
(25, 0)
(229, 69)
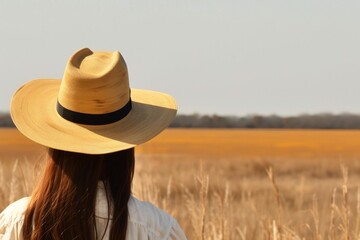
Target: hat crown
(94, 83)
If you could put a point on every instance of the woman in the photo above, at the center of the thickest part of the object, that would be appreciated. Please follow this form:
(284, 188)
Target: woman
(90, 121)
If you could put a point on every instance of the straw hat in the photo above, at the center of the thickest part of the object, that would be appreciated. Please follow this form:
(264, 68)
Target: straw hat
(92, 108)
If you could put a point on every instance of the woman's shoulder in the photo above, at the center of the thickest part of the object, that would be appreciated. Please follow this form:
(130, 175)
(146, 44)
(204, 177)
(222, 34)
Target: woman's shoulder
(142, 210)
(152, 219)
(12, 217)
(15, 211)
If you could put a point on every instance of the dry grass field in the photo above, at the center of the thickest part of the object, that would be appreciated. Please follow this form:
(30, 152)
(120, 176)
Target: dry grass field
(232, 184)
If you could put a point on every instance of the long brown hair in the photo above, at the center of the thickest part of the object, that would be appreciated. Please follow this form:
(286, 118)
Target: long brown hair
(62, 205)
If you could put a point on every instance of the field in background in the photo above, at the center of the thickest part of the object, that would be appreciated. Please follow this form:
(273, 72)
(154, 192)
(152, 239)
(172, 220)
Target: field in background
(232, 184)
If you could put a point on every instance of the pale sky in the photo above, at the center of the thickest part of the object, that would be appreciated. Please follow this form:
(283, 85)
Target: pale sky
(232, 57)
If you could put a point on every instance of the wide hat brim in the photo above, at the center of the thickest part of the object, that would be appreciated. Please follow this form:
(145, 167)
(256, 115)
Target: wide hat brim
(33, 110)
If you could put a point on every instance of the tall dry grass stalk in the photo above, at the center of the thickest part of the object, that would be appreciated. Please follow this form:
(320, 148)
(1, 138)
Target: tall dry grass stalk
(357, 222)
(333, 208)
(315, 215)
(277, 220)
(345, 204)
(203, 180)
(17, 183)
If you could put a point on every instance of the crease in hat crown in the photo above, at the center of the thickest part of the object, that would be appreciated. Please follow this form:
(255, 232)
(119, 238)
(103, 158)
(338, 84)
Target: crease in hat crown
(94, 83)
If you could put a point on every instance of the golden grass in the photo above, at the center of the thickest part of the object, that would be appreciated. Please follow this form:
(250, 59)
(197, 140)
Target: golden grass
(233, 184)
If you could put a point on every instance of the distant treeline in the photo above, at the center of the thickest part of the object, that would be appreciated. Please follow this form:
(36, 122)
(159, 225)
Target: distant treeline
(5, 120)
(304, 121)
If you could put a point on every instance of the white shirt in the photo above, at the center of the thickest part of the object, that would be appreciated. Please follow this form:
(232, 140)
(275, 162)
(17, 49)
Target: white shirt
(146, 222)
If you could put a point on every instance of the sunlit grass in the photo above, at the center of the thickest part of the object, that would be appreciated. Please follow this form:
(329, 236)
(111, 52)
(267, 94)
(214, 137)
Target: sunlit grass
(207, 205)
